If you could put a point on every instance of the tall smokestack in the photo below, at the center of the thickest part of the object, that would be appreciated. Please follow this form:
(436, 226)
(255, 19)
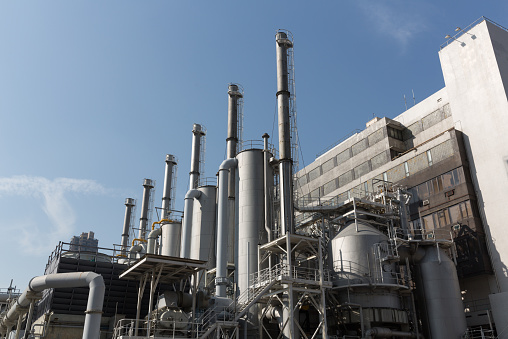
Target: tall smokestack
(197, 132)
(192, 193)
(148, 184)
(285, 161)
(129, 206)
(168, 186)
(232, 140)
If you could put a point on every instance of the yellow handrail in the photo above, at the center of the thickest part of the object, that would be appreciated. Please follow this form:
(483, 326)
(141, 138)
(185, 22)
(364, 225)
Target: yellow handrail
(160, 222)
(138, 239)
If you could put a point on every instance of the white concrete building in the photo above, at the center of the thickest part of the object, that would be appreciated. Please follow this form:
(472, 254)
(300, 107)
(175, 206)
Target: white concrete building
(451, 151)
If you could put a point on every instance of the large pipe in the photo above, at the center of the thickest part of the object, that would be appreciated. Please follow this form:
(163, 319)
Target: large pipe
(91, 329)
(152, 237)
(267, 188)
(129, 205)
(187, 221)
(143, 220)
(222, 227)
(168, 180)
(286, 163)
(383, 332)
(197, 133)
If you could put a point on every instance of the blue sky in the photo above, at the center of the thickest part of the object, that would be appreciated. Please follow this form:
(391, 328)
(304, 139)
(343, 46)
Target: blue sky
(93, 95)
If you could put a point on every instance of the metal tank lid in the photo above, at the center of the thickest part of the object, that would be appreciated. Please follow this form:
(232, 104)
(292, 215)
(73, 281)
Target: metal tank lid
(364, 228)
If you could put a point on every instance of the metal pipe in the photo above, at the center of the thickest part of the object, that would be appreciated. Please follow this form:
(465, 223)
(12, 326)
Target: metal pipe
(168, 179)
(197, 132)
(383, 332)
(129, 205)
(187, 221)
(65, 280)
(222, 227)
(286, 162)
(402, 210)
(29, 319)
(152, 237)
(143, 220)
(268, 218)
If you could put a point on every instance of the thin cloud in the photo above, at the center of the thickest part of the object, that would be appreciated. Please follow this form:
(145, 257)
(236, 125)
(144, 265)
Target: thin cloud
(52, 194)
(394, 21)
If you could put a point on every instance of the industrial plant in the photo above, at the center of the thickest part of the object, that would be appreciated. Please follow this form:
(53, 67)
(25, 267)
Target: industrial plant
(394, 232)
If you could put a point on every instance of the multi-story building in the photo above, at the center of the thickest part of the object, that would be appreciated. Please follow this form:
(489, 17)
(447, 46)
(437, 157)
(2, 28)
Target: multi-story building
(451, 153)
(85, 242)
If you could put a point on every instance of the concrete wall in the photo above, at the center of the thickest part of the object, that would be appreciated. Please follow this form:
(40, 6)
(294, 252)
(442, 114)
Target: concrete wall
(475, 73)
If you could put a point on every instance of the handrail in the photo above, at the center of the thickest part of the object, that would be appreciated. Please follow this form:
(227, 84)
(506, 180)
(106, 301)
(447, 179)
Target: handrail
(464, 30)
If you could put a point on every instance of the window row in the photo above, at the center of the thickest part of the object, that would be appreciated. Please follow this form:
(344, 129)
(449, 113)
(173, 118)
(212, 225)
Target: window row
(438, 184)
(445, 217)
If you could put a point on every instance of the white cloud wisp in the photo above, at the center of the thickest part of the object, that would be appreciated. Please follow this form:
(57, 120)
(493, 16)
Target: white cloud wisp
(37, 238)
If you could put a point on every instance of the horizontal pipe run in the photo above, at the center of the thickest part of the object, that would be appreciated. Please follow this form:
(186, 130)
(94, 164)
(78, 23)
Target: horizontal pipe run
(93, 311)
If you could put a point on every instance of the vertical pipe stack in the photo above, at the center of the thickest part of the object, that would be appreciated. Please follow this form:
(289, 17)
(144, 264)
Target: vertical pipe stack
(234, 94)
(286, 163)
(129, 205)
(168, 179)
(197, 133)
(143, 220)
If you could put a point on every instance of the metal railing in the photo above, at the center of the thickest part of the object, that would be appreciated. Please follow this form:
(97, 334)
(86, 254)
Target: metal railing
(479, 334)
(168, 328)
(464, 30)
(348, 273)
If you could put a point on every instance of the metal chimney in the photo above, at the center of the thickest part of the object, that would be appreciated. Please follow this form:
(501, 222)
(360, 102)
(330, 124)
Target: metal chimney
(168, 186)
(129, 205)
(148, 184)
(197, 132)
(285, 161)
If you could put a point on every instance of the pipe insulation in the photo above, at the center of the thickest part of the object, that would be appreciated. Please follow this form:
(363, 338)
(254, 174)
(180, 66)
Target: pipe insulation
(222, 227)
(187, 221)
(93, 311)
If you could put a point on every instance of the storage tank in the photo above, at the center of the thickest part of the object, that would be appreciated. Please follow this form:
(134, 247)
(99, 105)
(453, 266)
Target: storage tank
(251, 230)
(204, 225)
(438, 285)
(356, 263)
(171, 235)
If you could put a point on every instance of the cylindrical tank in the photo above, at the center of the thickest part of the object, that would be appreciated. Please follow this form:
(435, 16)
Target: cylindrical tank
(355, 262)
(438, 280)
(250, 214)
(171, 235)
(204, 225)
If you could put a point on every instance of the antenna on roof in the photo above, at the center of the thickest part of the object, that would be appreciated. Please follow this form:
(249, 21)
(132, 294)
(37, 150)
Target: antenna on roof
(405, 102)
(414, 100)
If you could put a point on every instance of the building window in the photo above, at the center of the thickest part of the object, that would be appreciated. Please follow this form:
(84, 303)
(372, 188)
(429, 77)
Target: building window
(395, 133)
(366, 186)
(429, 157)
(406, 169)
(385, 176)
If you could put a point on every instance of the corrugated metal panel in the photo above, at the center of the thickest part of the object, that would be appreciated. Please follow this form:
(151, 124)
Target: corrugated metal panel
(315, 173)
